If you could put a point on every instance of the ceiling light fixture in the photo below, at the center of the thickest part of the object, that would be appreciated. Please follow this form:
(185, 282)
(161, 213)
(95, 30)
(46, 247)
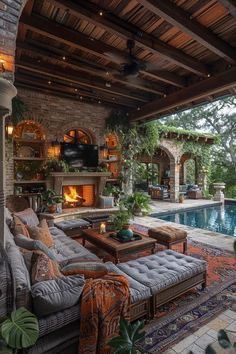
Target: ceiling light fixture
(49, 82)
(101, 13)
(108, 84)
(64, 58)
(99, 101)
(81, 97)
(76, 89)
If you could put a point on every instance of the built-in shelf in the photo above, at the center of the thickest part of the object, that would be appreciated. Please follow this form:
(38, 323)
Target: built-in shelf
(33, 181)
(28, 158)
(110, 161)
(31, 141)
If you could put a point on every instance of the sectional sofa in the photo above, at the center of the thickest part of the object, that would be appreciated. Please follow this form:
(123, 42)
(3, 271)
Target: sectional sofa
(154, 280)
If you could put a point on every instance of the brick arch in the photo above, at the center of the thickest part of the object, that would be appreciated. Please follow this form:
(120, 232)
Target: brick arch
(72, 125)
(11, 12)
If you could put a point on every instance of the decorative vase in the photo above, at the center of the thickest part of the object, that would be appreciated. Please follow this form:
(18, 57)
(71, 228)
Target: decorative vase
(52, 208)
(181, 198)
(125, 234)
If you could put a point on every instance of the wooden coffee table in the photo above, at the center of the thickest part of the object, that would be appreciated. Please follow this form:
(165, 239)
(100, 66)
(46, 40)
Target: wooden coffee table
(116, 248)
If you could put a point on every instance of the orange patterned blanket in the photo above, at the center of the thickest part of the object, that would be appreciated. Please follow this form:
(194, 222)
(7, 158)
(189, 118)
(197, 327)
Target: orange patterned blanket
(104, 301)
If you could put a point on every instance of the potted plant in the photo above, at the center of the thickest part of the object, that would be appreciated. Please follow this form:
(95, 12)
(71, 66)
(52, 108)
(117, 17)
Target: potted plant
(51, 200)
(130, 334)
(19, 331)
(107, 199)
(55, 165)
(137, 203)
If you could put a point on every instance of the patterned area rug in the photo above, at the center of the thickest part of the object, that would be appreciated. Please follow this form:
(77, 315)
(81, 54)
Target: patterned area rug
(183, 316)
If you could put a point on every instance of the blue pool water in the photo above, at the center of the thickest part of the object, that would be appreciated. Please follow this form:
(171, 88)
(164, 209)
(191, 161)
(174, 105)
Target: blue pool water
(216, 218)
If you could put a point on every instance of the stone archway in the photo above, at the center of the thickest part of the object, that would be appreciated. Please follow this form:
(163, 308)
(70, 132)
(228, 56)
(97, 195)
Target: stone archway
(10, 15)
(174, 153)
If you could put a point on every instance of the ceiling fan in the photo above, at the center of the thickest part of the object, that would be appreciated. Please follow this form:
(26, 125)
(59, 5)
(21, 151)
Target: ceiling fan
(131, 67)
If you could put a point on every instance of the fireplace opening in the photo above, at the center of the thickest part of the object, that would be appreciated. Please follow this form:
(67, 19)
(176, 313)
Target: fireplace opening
(76, 196)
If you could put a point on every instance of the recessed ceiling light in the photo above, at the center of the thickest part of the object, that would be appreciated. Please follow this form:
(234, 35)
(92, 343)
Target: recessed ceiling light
(64, 58)
(138, 108)
(164, 95)
(101, 13)
(76, 89)
(208, 75)
(99, 101)
(81, 97)
(49, 82)
(107, 73)
(108, 84)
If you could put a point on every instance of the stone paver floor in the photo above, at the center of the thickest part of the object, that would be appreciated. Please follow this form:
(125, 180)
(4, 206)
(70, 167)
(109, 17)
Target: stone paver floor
(199, 340)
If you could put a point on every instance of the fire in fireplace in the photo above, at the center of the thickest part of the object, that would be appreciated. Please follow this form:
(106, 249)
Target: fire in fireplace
(76, 196)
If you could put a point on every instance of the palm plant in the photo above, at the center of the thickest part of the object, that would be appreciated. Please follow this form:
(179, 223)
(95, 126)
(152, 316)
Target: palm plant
(130, 334)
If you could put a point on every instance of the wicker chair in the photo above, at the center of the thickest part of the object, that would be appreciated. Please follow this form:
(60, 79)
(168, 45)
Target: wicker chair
(16, 203)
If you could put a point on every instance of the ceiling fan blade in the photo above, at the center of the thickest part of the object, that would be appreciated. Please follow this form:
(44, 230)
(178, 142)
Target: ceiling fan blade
(152, 66)
(115, 57)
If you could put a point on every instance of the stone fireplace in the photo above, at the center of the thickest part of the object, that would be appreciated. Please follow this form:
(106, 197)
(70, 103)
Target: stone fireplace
(79, 188)
(78, 195)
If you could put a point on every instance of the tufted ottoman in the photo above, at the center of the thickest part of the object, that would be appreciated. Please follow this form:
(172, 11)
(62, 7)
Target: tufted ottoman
(168, 274)
(168, 236)
(139, 294)
(73, 228)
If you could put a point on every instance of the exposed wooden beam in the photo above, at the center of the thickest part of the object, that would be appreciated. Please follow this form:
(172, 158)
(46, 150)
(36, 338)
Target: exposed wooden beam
(78, 40)
(230, 6)
(209, 86)
(181, 19)
(74, 76)
(166, 76)
(85, 10)
(33, 83)
(75, 62)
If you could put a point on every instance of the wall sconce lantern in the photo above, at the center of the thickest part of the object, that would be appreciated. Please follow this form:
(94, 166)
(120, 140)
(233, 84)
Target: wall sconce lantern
(9, 130)
(2, 67)
(104, 152)
(55, 149)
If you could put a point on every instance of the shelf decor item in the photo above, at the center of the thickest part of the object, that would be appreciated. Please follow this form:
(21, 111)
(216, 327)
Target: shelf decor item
(25, 151)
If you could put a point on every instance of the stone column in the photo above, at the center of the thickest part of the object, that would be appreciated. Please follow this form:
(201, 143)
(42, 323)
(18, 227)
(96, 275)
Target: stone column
(174, 181)
(7, 92)
(219, 195)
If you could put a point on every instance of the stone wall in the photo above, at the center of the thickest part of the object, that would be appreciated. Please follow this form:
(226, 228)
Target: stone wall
(57, 116)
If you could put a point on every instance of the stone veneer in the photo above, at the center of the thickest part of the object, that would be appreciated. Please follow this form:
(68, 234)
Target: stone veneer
(57, 116)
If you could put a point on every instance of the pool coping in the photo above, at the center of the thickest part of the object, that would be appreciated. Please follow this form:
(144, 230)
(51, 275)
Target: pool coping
(173, 211)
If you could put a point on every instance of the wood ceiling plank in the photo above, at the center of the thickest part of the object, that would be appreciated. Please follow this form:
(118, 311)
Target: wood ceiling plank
(218, 83)
(78, 40)
(78, 65)
(184, 21)
(230, 5)
(63, 88)
(74, 76)
(117, 26)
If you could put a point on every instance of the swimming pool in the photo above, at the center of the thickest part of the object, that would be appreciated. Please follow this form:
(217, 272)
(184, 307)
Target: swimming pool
(216, 218)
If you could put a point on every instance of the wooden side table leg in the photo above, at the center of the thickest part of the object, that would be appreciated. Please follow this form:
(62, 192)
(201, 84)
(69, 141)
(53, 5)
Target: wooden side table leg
(185, 246)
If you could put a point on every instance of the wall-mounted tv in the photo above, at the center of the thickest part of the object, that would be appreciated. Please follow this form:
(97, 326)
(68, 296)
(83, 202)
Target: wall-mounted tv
(79, 155)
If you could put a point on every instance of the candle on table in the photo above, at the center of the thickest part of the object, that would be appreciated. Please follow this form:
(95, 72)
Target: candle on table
(102, 228)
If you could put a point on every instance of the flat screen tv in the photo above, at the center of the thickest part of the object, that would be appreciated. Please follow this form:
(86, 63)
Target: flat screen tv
(79, 155)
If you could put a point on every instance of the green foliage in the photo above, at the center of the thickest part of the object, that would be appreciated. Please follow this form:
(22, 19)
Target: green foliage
(55, 165)
(122, 217)
(137, 202)
(130, 334)
(51, 198)
(18, 110)
(164, 129)
(21, 329)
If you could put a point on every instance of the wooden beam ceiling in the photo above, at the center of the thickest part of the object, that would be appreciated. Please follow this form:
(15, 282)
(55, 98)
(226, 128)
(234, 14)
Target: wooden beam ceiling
(230, 6)
(73, 76)
(209, 86)
(76, 63)
(90, 12)
(75, 92)
(80, 41)
(181, 19)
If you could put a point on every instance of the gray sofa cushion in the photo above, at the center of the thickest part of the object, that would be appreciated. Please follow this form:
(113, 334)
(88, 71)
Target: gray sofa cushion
(163, 269)
(28, 217)
(34, 245)
(138, 291)
(56, 295)
(67, 248)
(72, 224)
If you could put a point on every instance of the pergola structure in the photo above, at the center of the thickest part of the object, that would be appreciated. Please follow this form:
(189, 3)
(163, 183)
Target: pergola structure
(184, 54)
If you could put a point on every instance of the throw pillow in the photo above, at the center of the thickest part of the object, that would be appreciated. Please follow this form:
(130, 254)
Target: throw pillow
(41, 233)
(88, 269)
(28, 217)
(43, 268)
(8, 217)
(19, 227)
(56, 295)
(27, 243)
